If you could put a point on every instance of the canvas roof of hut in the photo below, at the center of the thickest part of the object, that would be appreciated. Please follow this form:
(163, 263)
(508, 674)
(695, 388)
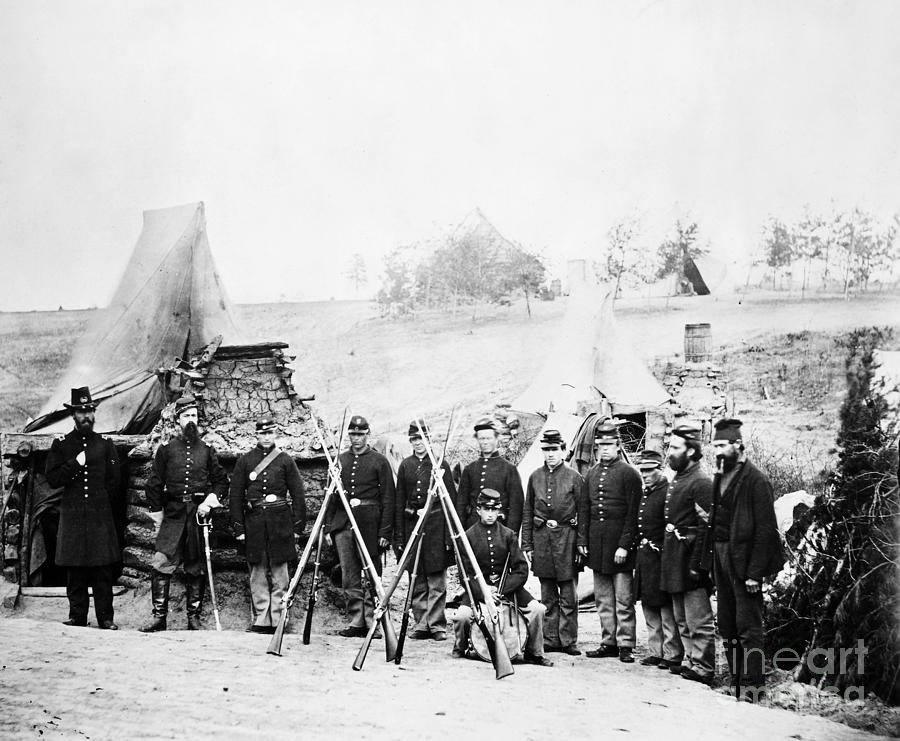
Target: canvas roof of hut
(590, 361)
(170, 300)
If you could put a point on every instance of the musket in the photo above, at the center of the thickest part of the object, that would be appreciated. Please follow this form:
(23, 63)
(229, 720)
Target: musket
(407, 607)
(205, 524)
(288, 599)
(513, 616)
(401, 565)
(493, 636)
(390, 637)
(314, 585)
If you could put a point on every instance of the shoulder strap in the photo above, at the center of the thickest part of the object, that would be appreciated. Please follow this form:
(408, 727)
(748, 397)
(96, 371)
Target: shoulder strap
(264, 463)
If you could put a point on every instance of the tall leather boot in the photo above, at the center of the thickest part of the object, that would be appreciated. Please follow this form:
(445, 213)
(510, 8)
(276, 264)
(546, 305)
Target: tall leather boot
(194, 587)
(159, 595)
(754, 680)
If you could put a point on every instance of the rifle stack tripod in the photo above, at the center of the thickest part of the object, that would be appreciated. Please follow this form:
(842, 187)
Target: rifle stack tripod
(486, 614)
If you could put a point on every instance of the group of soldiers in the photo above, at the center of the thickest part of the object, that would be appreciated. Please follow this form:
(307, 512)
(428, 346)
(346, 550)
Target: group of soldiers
(667, 541)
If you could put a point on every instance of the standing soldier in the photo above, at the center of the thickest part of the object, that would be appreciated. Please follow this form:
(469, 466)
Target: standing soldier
(687, 505)
(429, 595)
(663, 638)
(368, 482)
(87, 466)
(554, 526)
(186, 480)
(268, 511)
(613, 490)
(490, 471)
(505, 570)
(744, 546)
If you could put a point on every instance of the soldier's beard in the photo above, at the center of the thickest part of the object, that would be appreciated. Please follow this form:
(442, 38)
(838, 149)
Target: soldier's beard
(84, 425)
(678, 462)
(727, 462)
(190, 433)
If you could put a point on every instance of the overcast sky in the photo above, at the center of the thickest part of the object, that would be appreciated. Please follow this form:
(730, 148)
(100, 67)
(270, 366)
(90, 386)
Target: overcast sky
(316, 130)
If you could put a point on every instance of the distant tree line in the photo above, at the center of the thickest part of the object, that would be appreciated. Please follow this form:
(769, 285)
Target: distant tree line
(467, 270)
(850, 246)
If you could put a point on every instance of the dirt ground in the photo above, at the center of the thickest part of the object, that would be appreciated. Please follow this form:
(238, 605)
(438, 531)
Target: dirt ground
(63, 682)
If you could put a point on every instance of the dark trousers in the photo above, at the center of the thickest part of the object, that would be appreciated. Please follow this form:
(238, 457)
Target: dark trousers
(740, 614)
(98, 578)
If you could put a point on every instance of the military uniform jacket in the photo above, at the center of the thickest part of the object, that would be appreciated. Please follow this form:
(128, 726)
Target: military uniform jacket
(368, 478)
(651, 529)
(87, 532)
(181, 476)
(613, 491)
(413, 480)
(491, 546)
(497, 473)
(269, 527)
(689, 493)
(555, 521)
(755, 545)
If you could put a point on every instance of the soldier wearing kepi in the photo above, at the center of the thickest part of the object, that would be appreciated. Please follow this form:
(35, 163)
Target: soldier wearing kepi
(688, 501)
(86, 465)
(368, 482)
(554, 530)
(663, 638)
(429, 596)
(268, 512)
(744, 547)
(505, 569)
(490, 471)
(613, 490)
(186, 480)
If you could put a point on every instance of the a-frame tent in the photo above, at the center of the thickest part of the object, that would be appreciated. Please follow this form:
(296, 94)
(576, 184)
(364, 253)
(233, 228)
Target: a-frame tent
(169, 302)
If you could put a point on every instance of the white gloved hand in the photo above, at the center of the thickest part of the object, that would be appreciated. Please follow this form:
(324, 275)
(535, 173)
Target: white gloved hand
(211, 502)
(81, 458)
(240, 538)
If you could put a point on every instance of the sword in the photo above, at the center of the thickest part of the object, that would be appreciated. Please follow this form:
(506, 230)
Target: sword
(205, 524)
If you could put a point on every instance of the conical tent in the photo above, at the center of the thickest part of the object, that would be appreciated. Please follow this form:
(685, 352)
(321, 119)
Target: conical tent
(591, 360)
(170, 301)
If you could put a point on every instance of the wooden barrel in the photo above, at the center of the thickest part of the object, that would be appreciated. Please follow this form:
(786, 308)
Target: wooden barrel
(697, 343)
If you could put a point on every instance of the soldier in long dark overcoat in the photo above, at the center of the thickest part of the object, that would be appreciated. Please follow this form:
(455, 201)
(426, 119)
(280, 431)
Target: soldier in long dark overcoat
(613, 490)
(553, 527)
(268, 513)
(490, 471)
(86, 465)
(368, 482)
(429, 596)
(663, 638)
(186, 479)
(744, 547)
(505, 570)
(688, 501)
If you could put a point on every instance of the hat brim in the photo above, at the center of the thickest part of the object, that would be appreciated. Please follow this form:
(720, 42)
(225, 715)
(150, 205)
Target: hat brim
(81, 407)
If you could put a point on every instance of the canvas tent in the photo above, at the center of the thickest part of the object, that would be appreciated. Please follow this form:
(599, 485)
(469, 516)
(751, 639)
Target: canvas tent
(169, 302)
(591, 363)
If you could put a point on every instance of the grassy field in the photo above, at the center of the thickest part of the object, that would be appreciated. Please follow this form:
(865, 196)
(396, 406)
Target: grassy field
(783, 357)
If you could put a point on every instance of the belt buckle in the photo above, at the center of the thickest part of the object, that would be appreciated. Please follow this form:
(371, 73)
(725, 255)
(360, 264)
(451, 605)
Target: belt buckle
(670, 527)
(355, 502)
(270, 498)
(552, 524)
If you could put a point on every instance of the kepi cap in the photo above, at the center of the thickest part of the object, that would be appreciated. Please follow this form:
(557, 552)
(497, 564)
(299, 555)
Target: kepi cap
(606, 432)
(488, 499)
(184, 403)
(358, 424)
(265, 424)
(417, 428)
(649, 459)
(552, 439)
(485, 423)
(688, 432)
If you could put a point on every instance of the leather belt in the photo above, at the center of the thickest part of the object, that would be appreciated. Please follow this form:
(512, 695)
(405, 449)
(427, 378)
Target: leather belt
(354, 502)
(552, 524)
(270, 500)
(197, 498)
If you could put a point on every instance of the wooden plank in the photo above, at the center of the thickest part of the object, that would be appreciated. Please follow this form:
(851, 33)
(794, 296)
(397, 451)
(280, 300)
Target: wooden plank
(41, 441)
(61, 591)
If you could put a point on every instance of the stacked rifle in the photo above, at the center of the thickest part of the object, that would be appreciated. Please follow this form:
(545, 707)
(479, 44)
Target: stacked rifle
(486, 614)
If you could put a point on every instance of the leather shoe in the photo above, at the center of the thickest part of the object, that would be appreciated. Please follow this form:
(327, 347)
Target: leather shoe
(419, 635)
(351, 632)
(650, 661)
(75, 623)
(536, 660)
(548, 649)
(689, 673)
(664, 664)
(625, 655)
(570, 650)
(458, 653)
(439, 636)
(676, 668)
(108, 625)
(604, 652)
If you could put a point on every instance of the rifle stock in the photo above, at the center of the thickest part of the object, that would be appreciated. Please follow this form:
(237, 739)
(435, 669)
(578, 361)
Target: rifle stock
(313, 589)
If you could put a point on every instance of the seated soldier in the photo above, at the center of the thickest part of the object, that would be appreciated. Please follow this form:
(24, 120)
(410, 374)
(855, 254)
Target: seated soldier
(497, 550)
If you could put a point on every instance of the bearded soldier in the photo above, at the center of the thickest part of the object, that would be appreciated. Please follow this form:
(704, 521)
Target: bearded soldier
(429, 596)
(663, 638)
(268, 512)
(87, 466)
(688, 501)
(613, 489)
(490, 471)
(186, 480)
(554, 526)
(368, 482)
(744, 547)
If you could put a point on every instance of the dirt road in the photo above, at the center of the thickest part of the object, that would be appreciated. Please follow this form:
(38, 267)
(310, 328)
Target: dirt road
(62, 682)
